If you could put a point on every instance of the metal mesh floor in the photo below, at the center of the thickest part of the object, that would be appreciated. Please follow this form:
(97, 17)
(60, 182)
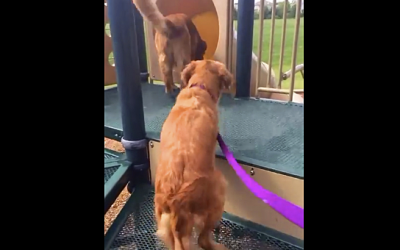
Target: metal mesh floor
(138, 233)
(108, 172)
(264, 133)
(108, 156)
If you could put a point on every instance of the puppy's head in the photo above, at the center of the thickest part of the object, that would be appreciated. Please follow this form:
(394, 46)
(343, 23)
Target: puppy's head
(200, 50)
(212, 74)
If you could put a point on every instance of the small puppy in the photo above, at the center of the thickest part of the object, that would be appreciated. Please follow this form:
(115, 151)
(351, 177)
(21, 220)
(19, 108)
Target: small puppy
(189, 190)
(177, 40)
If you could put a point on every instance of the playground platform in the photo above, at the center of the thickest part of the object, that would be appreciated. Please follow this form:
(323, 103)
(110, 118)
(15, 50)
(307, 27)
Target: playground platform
(264, 134)
(261, 133)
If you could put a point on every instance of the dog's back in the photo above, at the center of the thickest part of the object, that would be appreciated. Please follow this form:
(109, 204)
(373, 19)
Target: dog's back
(187, 184)
(190, 190)
(188, 155)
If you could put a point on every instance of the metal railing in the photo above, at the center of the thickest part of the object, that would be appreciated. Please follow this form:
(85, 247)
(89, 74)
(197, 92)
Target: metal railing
(294, 68)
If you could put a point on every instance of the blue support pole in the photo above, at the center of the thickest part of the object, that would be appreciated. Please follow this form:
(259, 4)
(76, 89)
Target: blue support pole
(122, 25)
(244, 47)
(141, 43)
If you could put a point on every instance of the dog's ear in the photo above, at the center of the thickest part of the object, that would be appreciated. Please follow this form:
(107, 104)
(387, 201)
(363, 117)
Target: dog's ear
(226, 78)
(187, 73)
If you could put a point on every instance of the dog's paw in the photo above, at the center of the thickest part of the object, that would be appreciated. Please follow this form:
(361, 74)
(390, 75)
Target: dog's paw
(171, 89)
(173, 94)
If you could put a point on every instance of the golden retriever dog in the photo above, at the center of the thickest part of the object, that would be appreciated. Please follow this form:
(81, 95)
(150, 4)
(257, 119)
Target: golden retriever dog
(189, 190)
(177, 40)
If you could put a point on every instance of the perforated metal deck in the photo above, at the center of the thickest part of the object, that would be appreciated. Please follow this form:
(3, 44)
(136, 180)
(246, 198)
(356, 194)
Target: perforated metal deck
(138, 231)
(116, 176)
(108, 172)
(264, 133)
(108, 156)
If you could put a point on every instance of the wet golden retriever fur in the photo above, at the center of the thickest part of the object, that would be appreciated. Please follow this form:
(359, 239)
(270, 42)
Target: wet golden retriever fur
(177, 40)
(189, 190)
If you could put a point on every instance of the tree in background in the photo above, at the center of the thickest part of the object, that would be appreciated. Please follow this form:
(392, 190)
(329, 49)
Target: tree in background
(267, 12)
(292, 11)
(279, 10)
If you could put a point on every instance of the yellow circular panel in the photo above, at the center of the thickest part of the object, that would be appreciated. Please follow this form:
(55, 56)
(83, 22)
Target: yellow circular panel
(208, 26)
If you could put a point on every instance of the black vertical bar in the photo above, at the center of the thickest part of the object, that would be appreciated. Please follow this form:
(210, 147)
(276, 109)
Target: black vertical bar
(244, 47)
(122, 25)
(141, 43)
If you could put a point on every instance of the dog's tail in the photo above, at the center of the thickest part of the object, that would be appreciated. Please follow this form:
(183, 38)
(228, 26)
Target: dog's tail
(150, 11)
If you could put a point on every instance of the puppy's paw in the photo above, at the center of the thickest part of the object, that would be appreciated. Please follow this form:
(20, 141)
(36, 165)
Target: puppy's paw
(171, 89)
(167, 90)
(173, 95)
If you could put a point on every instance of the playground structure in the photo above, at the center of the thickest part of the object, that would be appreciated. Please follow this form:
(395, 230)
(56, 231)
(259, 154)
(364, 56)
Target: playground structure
(265, 136)
(213, 19)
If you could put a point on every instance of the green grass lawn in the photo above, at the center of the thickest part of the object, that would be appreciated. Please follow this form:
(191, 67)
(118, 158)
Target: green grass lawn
(290, 24)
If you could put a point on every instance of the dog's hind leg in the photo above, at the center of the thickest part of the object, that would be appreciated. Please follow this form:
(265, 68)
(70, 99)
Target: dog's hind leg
(166, 70)
(182, 54)
(180, 68)
(214, 214)
(164, 232)
(182, 227)
(205, 240)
